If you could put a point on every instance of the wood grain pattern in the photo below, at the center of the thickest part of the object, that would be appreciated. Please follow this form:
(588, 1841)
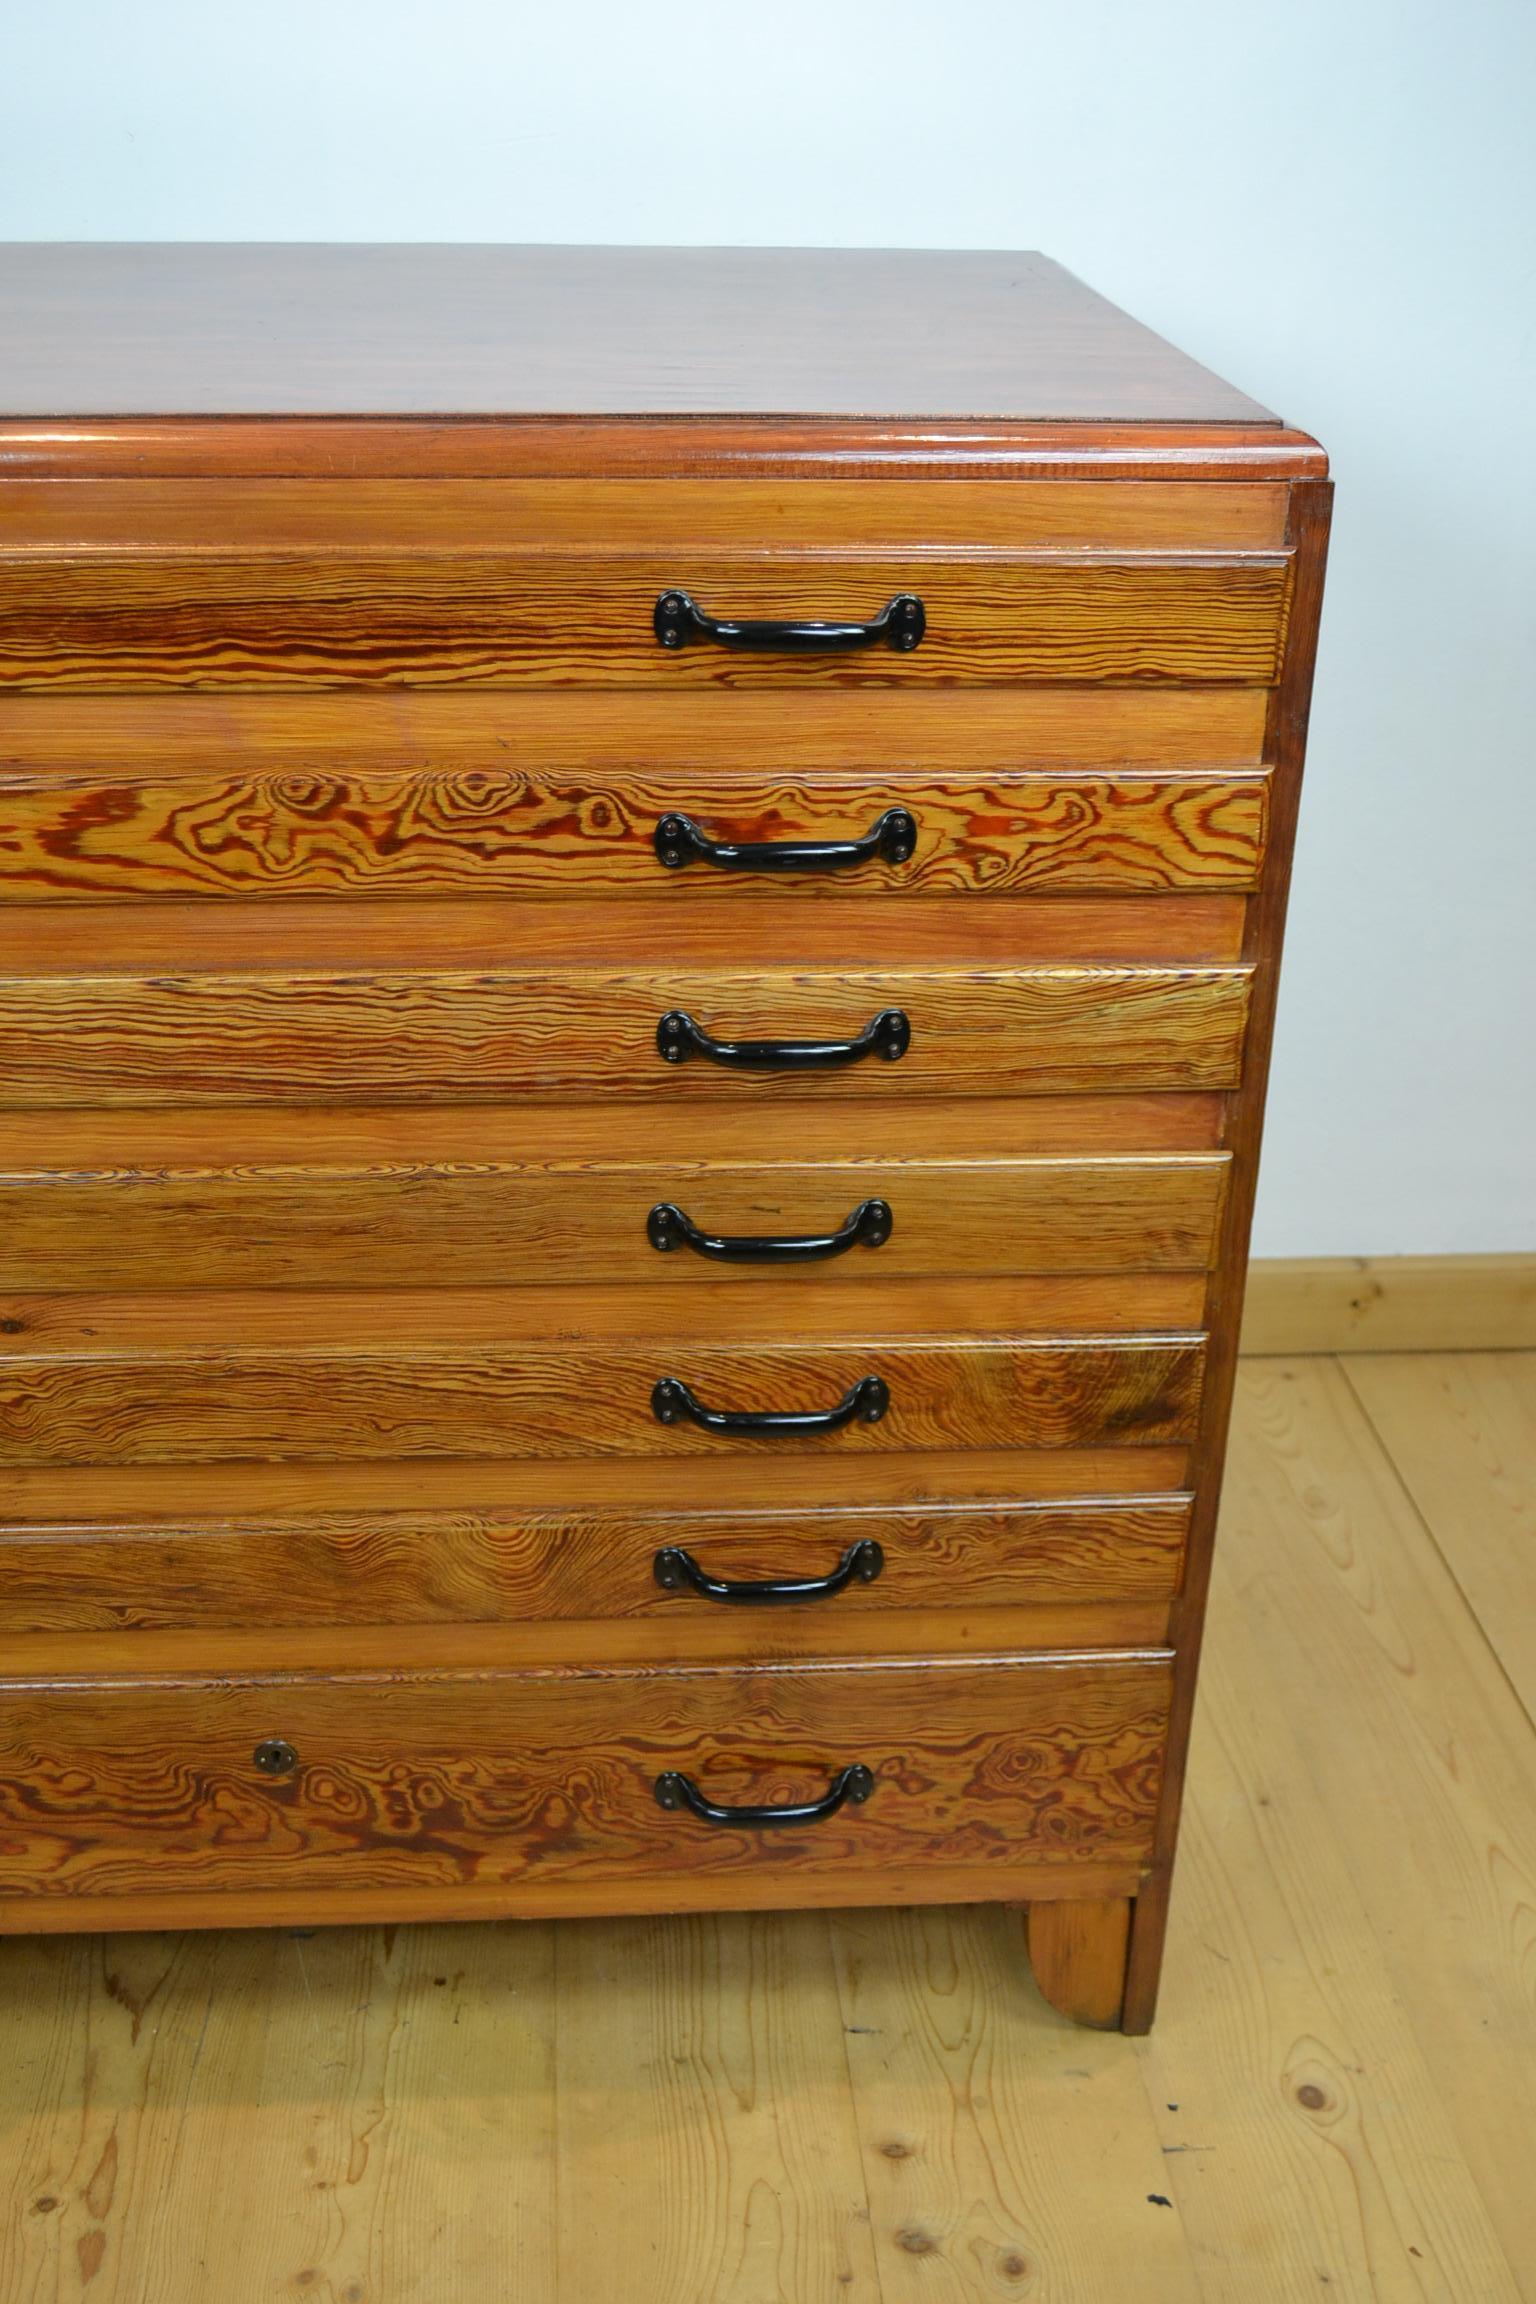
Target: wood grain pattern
(1006, 2154)
(918, 1129)
(400, 1904)
(314, 934)
(116, 2220)
(1285, 745)
(418, 1777)
(1104, 723)
(1077, 1949)
(476, 1036)
(285, 619)
(739, 2031)
(219, 2111)
(1461, 1430)
(1290, 2081)
(1397, 1304)
(429, 331)
(275, 832)
(62, 1495)
(1111, 1631)
(605, 515)
(664, 448)
(556, 1398)
(843, 1311)
(1418, 1753)
(409, 1224)
(720, 737)
(405, 1567)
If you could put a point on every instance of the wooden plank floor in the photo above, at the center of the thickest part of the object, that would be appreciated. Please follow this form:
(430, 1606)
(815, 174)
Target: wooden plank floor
(1339, 2100)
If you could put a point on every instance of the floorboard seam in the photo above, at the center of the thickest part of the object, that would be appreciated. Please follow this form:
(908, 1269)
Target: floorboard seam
(853, 2105)
(1400, 1479)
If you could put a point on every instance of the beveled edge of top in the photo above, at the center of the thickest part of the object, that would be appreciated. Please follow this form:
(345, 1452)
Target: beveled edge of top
(530, 448)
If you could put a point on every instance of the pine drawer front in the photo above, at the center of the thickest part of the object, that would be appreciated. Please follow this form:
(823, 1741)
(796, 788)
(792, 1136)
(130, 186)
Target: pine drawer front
(120, 1380)
(697, 797)
(318, 584)
(305, 1036)
(407, 1787)
(555, 1219)
(688, 1567)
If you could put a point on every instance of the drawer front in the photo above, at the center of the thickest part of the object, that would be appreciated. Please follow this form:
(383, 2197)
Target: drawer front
(476, 1035)
(493, 1780)
(414, 1223)
(685, 1567)
(1068, 789)
(435, 834)
(382, 1383)
(206, 616)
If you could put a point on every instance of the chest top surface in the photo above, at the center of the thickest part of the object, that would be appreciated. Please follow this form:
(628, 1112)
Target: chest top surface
(418, 331)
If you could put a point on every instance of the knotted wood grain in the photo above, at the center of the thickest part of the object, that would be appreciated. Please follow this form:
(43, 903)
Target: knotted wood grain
(271, 833)
(419, 1778)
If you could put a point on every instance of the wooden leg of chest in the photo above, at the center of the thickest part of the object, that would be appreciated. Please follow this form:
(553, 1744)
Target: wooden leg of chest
(1078, 1949)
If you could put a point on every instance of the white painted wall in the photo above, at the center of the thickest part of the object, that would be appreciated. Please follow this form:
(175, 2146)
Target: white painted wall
(1333, 202)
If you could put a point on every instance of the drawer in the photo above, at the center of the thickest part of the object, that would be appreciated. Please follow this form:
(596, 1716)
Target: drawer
(313, 587)
(265, 620)
(470, 1773)
(687, 1561)
(406, 1036)
(1108, 790)
(572, 1373)
(911, 1192)
(292, 1032)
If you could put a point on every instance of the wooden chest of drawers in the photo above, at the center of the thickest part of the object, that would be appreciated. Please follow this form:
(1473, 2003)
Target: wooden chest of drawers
(640, 896)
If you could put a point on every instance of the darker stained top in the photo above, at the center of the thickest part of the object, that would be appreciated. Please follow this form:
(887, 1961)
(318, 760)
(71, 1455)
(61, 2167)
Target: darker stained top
(176, 329)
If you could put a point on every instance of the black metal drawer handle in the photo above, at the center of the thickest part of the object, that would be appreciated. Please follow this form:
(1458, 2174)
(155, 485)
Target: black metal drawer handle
(901, 624)
(865, 1402)
(678, 1037)
(869, 1226)
(892, 838)
(860, 1564)
(855, 1782)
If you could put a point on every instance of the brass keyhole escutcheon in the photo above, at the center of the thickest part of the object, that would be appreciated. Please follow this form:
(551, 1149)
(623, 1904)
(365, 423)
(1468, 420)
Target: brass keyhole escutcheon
(275, 1756)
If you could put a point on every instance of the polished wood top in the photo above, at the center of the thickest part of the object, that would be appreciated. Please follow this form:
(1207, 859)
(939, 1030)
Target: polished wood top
(420, 331)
